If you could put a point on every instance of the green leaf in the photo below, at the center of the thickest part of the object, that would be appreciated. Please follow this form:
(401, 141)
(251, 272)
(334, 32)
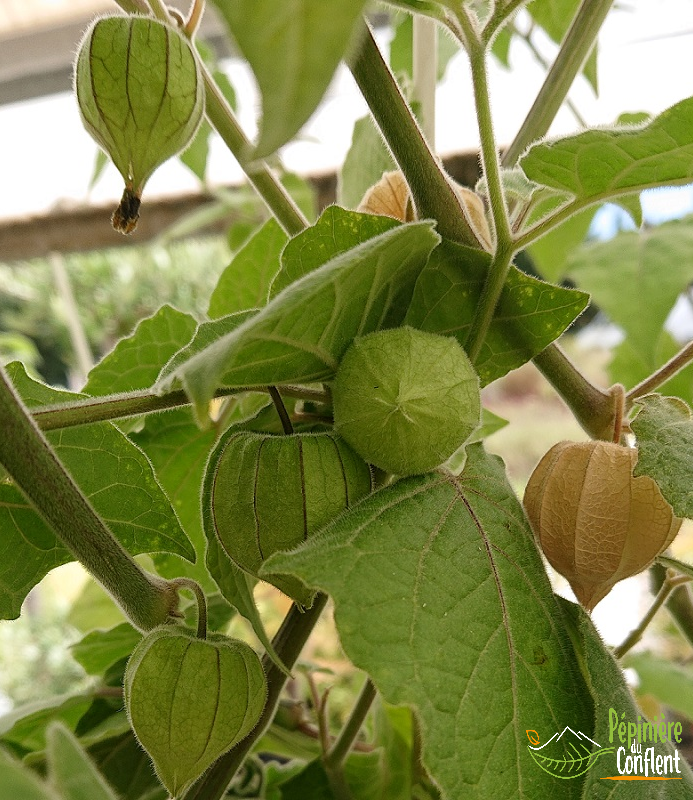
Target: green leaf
(135, 362)
(555, 17)
(636, 278)
(530, 313)
(597, 165)
(20, 783)
(179, 450)
(245, 282)
(206, 334)
(99, 649)
(301, 334)
(610, 691)
(94, 608)
(72, 772)
(667, 681)
(116, 477)
(365, 162)
(293, 48)
(24, 728)
(237, 587)
(337, 231)
(664, 431)
(441, 596)
(127, 768)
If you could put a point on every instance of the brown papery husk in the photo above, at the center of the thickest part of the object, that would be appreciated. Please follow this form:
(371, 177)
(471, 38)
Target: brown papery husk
(595, 522)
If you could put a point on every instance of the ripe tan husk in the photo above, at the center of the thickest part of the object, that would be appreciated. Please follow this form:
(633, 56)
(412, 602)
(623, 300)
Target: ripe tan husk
(594, 521)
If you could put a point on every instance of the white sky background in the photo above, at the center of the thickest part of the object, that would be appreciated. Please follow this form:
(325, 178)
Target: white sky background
(46, 157)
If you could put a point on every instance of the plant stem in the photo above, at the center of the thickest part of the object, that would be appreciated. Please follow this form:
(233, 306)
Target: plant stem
(196, 589)
(680, 602)
(666, 371)
(132, 404)
(281, 410)
(671, 582)
(223, 120)
(288, 643)
(498, 270)
(434, 196)
(343, 744)
(593, 408)
(194, 18)
(500, 14)
(575, 48)
(33, 465)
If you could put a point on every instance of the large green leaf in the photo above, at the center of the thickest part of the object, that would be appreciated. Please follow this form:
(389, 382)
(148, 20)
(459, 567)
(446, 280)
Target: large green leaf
(664, 430)
(293, 47)
(245, 282)
(127, 768)
(72, 772)
(597, 165)
(112, 472)
(551, 252)
(441, 596)
(301, 334)
(530, 313)
(136, 360)
(337, 231)
(636, 277)
(609, 691)
(179, 450)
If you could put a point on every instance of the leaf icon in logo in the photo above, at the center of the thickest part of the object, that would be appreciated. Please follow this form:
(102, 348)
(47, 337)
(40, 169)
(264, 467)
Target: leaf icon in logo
(533, 737)
(567, 754)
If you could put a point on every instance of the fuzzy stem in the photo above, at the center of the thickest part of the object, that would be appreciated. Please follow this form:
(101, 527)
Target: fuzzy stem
(288, 643)
(33, 465)
(283, 414)
(671, 582)
(593, 408)
(343, 745)
(680, 603)
(194, 18)
(132, 404)
(575, 48)
(500, 14)
(498, 270)
(196, 589)
(666, 371)
(434, 196)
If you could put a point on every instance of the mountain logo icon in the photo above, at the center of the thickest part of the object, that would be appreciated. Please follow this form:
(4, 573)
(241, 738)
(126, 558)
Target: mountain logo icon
(567, 754)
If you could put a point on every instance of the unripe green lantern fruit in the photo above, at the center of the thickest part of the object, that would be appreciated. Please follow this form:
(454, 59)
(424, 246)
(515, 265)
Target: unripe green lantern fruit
(267, 493)
(140, 94)
(405, 399)
(190, 700)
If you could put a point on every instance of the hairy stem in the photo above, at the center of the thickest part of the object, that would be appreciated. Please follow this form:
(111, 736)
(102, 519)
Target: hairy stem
(671, 581)
(196, 589)
(500, 14)
(344, 743)
(288, 643)
(434, 196)
(662, 375)
(593, 408)
(283, 414)
(132, 404)
(575, 48)
(33, 465)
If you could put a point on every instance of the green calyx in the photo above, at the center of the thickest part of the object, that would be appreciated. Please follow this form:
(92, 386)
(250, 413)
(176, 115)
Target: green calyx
(405, 399)
(140, 95)
(190, 700)
(268, 493)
